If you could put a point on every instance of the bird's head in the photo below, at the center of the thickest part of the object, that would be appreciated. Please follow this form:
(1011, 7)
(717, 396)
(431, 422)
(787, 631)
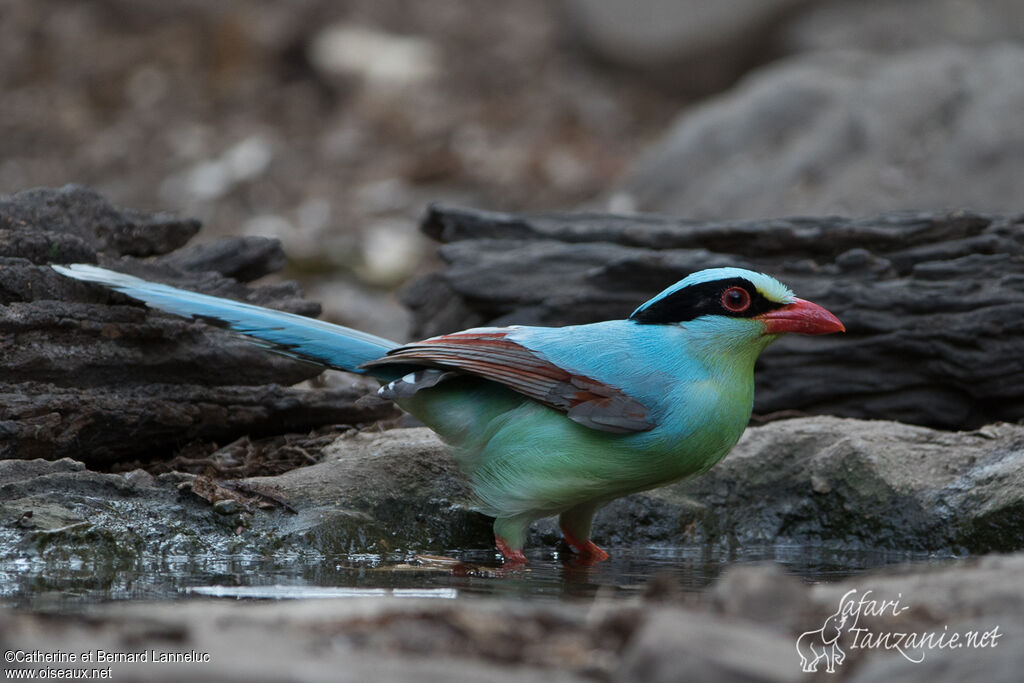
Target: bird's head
(736, 306)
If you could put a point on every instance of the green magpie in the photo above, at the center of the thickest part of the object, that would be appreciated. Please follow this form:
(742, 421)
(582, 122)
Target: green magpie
(549, 421)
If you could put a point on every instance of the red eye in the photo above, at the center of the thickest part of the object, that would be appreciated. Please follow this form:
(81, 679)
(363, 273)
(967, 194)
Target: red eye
(736, 299)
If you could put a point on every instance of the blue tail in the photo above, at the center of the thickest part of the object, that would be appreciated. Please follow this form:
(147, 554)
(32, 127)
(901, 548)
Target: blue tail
(294, 335)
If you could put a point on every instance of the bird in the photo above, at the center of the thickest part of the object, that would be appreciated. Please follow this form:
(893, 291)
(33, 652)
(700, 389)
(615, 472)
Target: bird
(553, 421)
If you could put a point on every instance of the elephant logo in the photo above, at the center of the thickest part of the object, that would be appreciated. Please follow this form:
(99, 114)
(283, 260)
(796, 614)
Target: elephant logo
(823, 644)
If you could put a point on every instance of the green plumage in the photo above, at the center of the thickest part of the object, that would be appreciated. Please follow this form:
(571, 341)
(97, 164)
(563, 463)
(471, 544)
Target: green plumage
(525, 461)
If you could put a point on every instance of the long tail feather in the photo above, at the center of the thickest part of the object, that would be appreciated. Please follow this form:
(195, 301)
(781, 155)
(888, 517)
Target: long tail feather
(321, 342)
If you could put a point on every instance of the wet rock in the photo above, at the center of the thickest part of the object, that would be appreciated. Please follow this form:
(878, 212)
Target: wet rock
(932, 302)
(845, 483)
(81, 367)
(59, 514)
(375, 492)
(399, 487)
(842, 484)
(850, 133)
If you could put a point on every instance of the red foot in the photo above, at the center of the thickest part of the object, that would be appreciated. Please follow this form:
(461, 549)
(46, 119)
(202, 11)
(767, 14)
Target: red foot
(513, 558)
(587, 551)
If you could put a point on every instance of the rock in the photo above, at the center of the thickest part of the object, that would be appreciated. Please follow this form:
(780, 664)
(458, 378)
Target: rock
(241, 258)
(57, 515)
(41, 420)
(351, 640)
(764, 593)
(673, 645)
(81, 367)
(226, 506)
(847, 485)
(932, 302)
(373, 493)
(843, 484)
(379, 492)
(391, 638)
(78, 219)
(879, 26)
(937, 593)
(384, 60)
(1003, 665)
(693, 47)
(979, 596)
(846, 133)
(398, 490)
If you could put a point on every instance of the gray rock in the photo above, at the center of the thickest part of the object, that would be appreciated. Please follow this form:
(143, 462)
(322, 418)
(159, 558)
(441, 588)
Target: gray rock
(242, 258)
(843, 483)
(376, 492)
(846, 133)
(82, 367)
(346, 641)
(57, 514)
(76, 220)
(932, 302)
(763, 593)
(882, 26)
(942, 592)
(745, 628)
(675, 646)
(692, 46)
(981, 596)
(44, 420)
(1002, 662)
(373, 493)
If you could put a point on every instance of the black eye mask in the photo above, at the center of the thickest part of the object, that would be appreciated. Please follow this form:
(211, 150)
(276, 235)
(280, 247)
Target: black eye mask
(705, 298)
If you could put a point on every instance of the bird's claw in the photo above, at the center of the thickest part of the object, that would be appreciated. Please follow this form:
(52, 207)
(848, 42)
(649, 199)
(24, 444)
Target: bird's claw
(587, 552)
(514, 558)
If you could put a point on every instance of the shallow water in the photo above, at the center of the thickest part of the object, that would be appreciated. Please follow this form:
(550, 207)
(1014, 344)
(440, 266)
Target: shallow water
(549, 576)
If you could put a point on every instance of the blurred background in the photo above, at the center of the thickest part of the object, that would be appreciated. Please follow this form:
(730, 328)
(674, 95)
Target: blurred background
(331, 125)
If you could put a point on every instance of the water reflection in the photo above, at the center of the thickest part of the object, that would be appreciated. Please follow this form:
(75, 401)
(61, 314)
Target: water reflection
(549, 576)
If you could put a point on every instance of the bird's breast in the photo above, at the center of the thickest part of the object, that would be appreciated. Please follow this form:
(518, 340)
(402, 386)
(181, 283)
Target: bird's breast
(705, 421)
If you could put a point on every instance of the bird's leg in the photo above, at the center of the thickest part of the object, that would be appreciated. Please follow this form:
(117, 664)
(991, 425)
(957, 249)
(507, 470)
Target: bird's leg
(509, 536)
(575, 523)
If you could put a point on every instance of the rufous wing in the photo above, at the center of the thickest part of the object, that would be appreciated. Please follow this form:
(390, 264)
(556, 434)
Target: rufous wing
(490, 354)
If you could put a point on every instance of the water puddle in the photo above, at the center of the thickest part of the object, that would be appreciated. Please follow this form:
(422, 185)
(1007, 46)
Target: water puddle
(549, 576)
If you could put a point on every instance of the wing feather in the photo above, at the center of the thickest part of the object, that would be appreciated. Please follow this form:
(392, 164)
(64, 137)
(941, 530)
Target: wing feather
(490, 354)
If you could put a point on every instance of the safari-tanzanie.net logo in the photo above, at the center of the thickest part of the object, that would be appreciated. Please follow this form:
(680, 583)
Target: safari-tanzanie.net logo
(842, 632)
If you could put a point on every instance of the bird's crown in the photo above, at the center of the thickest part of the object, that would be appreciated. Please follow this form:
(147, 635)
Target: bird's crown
(733, 292)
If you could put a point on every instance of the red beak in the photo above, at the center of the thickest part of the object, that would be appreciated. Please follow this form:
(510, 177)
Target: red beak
(801, 317)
